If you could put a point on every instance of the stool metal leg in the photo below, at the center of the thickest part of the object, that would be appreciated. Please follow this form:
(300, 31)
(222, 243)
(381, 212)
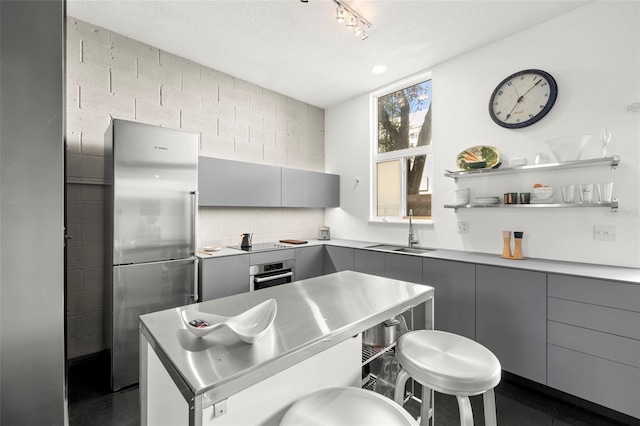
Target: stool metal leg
(466, 415)
(401, 382)
(427, 412)
(489, 402)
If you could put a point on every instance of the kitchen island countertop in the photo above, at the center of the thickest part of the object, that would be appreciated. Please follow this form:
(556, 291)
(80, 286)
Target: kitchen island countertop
(312, 316)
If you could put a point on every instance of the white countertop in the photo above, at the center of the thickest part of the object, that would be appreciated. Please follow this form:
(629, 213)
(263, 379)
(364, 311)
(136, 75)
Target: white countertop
(616, 273)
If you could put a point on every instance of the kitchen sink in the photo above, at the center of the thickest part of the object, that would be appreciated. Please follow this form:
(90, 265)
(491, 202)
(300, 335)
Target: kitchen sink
(416, 250)
(401, 249)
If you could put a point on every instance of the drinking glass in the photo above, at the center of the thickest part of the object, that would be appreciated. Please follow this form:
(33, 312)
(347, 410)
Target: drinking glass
(568, 194)
(603, 191)
(386, 378)
(586, 193)
(605, 138)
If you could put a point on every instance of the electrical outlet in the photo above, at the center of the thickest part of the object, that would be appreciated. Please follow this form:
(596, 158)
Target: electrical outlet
(463, 227)
(604, 232)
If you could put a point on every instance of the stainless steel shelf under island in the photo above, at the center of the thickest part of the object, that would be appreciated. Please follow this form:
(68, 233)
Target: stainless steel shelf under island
(314, 343)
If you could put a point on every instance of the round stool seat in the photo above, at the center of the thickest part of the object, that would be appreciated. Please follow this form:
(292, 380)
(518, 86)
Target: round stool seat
(346, 406)
(448, 363)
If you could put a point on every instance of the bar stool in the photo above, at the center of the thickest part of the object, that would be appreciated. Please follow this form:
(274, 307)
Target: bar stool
(348, 406)
(449, 364)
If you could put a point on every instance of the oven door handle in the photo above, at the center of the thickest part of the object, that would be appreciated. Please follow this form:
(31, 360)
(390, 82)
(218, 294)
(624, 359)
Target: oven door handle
(273, 277)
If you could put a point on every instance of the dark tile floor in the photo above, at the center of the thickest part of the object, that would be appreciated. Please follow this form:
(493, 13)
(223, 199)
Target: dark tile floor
(91, 402)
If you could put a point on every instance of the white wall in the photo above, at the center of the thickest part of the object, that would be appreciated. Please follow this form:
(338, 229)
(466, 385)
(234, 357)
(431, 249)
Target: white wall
(594, 55)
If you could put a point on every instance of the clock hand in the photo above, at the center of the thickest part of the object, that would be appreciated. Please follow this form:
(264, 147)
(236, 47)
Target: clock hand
(514, 107)
(521, 98)
(530, 89)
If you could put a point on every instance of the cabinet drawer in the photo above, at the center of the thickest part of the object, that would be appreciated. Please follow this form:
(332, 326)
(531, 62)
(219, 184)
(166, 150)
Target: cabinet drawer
(608, 383)
(272, 256)
(594, 317)
(603, 345)
(597, 292)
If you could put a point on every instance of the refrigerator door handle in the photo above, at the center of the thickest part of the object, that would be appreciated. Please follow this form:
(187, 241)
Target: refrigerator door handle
(196, 294)
(194, 221)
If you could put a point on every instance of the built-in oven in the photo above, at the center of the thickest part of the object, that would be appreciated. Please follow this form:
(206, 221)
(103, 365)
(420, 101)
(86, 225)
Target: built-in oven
(271, 274)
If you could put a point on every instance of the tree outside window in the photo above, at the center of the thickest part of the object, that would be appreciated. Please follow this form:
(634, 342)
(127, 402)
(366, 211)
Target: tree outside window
(403, 164)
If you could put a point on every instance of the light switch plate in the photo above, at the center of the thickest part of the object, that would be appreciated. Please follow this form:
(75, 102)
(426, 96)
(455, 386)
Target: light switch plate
(604, 232)
(463, 227)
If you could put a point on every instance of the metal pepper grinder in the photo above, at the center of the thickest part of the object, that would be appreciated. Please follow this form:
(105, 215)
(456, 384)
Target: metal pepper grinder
(517, 249)
(506, 248)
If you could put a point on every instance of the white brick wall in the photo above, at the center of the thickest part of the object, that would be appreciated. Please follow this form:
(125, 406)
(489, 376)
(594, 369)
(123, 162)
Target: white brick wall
(112, 76)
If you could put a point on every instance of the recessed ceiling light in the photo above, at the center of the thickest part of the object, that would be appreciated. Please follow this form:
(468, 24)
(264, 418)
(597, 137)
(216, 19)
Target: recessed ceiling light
(378, 69)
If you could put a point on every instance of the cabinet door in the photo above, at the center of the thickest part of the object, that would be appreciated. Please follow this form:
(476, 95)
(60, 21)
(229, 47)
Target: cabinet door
(403, 267)
(338, 259)
(511, 318)
(236, 183)
(406, 268)
(309, 262)
(455, 295)
(223, 276)
(303, 188)
(369, 262)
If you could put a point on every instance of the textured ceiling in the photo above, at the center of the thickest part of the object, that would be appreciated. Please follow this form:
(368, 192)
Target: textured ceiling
(300, 50)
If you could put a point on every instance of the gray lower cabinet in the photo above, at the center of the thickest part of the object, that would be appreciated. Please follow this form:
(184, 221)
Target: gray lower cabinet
(338, 259)
(309, 262)
(369, 262)
(303, 188)
(455, 295)
(223, 276)
(406, 268)
(594, 341)
(511, 319)
(403, 267)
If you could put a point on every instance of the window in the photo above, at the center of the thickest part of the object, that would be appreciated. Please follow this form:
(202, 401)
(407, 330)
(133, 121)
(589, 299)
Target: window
(402, 164)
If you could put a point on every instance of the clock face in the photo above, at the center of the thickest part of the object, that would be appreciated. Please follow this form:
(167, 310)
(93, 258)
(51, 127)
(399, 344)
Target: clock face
(523, 98)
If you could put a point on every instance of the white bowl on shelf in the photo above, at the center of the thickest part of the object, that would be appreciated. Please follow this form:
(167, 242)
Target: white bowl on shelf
(569, 148)
(543, 193)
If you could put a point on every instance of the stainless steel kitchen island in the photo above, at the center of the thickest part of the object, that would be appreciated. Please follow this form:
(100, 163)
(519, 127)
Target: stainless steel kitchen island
(313, 343)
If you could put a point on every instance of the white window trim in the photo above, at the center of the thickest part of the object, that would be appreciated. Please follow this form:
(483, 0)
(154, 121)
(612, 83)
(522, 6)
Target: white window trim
(375, 158)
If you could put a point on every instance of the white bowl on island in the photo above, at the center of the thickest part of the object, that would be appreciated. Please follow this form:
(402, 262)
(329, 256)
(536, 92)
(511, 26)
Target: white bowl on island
(248, 326)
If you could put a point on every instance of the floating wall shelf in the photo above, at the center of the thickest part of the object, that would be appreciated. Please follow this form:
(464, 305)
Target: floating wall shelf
(612, 161)
(613, 205)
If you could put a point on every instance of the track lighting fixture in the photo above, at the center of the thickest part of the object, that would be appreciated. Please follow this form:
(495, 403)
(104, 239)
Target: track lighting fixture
(352, 19)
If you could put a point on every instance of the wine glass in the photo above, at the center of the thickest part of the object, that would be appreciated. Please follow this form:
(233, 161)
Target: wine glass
(605, 138)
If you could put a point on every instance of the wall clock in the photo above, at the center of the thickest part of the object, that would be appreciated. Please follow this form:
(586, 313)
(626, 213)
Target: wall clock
(523, 98)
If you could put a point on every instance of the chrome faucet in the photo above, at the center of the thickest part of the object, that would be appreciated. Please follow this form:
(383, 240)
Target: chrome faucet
(412, 240)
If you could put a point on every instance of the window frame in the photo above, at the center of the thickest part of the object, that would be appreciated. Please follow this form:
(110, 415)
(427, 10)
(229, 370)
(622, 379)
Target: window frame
(401, 154)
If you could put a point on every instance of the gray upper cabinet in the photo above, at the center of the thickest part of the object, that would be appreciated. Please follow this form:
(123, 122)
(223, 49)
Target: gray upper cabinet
(240, 184)
(301, 188)
(236, 183)
(511, 318)
(455, 289)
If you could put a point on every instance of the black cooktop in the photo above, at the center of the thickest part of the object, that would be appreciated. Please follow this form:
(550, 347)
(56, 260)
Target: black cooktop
(262, 247)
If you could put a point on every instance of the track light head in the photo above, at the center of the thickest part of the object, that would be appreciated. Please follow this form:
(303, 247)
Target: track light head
(352, 19)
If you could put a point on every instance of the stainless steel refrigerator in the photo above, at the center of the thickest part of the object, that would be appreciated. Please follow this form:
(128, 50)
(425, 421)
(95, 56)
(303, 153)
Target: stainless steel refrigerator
(153, 209)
